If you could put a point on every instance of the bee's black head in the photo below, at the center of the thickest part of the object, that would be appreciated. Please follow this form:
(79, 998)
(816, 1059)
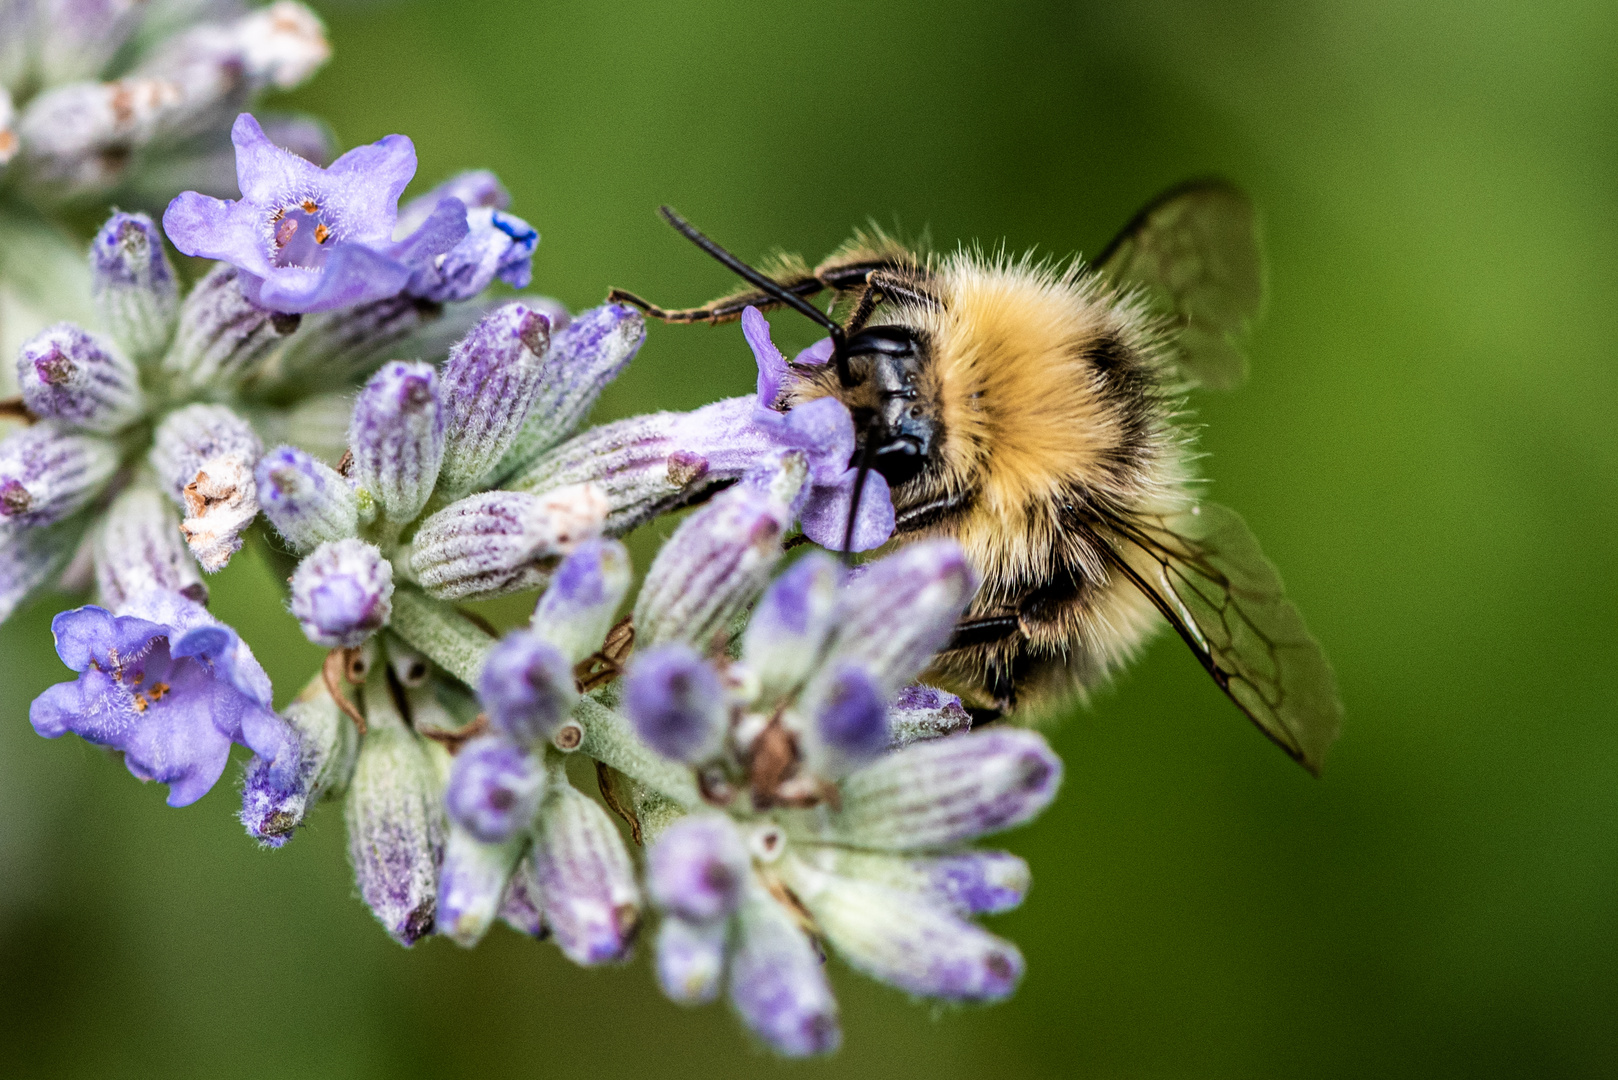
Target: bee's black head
(898, 431)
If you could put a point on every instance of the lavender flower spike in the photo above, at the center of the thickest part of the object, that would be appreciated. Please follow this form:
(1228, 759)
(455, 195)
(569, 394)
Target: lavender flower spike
(502, 541)
(204, 457)
(136, 292)
(165, 683)
(397, 437)
(306, 500)
(47, 473)
(719, 559)
(306, 238)
(578, 607)
(489, 382)
(592, 904)
(343, 593)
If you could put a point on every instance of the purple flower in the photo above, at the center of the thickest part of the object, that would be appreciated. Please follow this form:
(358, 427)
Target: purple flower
(851, 714)
(676, 702)
(312, 239)
(698, 868)
(494, 789)
(342, 593)
(165, 683)
(527, 686)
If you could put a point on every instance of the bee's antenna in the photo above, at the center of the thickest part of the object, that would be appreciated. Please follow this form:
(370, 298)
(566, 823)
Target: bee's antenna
(859, 489)
(771, 288)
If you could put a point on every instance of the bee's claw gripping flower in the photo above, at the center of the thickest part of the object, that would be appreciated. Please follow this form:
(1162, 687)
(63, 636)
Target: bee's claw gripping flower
(305, 499)
(205, 455)
(502, 541)
(136, 292)
(165, 683)
(139, 548)
(397, 437)
(343, 593)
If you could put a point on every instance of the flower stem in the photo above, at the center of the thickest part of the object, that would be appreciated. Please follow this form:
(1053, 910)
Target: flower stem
(453, 642)
(610, 740)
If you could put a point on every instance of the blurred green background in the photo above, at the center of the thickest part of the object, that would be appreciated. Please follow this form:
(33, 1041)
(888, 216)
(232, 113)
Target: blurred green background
(1426, 449)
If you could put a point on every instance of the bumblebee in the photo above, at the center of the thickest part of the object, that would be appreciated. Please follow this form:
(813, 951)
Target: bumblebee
(1032, 412)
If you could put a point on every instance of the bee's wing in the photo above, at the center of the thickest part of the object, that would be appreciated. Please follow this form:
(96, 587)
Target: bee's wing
(1194, 252)
(1204, 571)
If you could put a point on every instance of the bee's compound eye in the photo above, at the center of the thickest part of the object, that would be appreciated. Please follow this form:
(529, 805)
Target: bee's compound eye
(898, 460)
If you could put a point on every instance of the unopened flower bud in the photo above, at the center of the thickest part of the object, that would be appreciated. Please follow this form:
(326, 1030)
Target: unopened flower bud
(502, 541)
(777, 982)
(397, 436)
(139, 548)
(592, 904)
(940, 792)
(136, 292)
(282, 44)
(850, 715)
(527, 687)
(494, 789)
(585, 356)
(70, 376)
(720, 557)
(523, 907)
(472, 883)
(918, 947)
(28, 559)
(966, 882)
(698, 868)
(47, 473)
(791, 623)
(342, 593)
(901, 609)
(204, 456)
(675, 700)
(306, 500)
(924, 712)
(396, 829)
(277, 795)
(690, 959)
(489, 383)
(579, 604)
(222, 334)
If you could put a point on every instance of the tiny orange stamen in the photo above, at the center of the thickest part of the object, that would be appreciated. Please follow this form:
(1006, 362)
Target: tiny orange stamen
(321, 232)
(309, 206)
(140, 704)
(157, 690)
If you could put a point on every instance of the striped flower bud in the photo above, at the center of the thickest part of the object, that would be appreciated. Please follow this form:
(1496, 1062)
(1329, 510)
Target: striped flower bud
(70, 376)
(850, 716)
(47, 473)
(901, 609)
(139, 548)
(690, 959)
(306, 500)
(277, 795)
(222, 335)
(204, 457)
(133, 282)
(918, 947)
(397, 436)
(943, 791)
(489, 383)
(527, 687)
(966, 882)
(472, 883)
(791, 624)
(28, 559)
(698, 868)
(396, 829)
(584, 357)
(777, 982)
(502, 541)
(923, 712)
(592, 904)
(581, 601)
(342, 593)
(494, 789)
(720, 557)
(675, 700)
